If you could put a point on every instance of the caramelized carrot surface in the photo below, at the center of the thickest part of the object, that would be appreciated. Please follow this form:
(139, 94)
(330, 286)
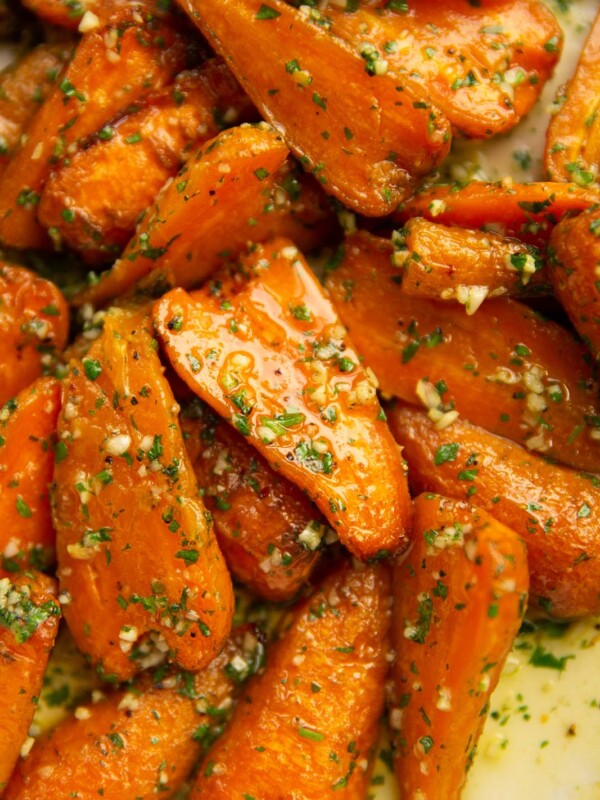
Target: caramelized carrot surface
(269, 532)
(270, 356)
(307, 726)
(137, 555)
(27, 453)
(459, 600)
(555, 510)
(29, 616)
(366, 136)
(140, 741)
(71, 13)
(505, 368)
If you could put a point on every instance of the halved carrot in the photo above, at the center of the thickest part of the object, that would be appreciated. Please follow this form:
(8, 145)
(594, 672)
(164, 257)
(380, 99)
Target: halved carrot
(27, 453)
(270, 356)
(237, 189)
(505, 368)
(574, 268)
(555, 510)
(314, 712)
(70, 13)
(140, 741)
(34, 324)
(459, 600)
(368, 138)
(573, 137)
(29, 616)
(113, 66)
(93, 203)
(136, 551)
(268, 530)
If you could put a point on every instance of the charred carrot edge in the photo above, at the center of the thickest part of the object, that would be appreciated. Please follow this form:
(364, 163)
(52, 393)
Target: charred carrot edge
(466, 579)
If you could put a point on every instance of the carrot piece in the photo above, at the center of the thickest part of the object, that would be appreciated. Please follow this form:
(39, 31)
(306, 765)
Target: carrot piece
(505, 368)
(573, 138)
(465, 266)
(113, 66)
(482, 65)
(138, 741)
(367, 138)
(70, 13)
(574, 255)
(268, 531)
(236, 189)
(555, 510)
(528, 211)
(93, 203)
(34, 324)
(459, 600)
(27, 426)
(136, 551)
(29, 616)
(274, 361)
(314, 712)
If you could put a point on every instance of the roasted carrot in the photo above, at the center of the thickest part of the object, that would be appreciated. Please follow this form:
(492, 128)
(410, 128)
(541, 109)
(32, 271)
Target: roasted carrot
(459, 600)
(27, 426)
(93, 203)
(140, 741)
(573, 137)
(270, 356)
(505, 368)
(555, 510)
(136, 551)
(238, 188)
(314, 712)
(34, 324)
(528, 211)
(113, 67)
(29, 616)
(86, 15)
(574, 259)
(367, 137)
(269, 532)
(461, 265)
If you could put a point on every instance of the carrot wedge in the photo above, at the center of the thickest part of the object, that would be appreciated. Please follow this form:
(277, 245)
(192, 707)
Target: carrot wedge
(459, 600)
(314, 712)
(136, 552)
(27, 426)
(138, 741)
(29, 617)
(268, 530)
(555, 510)
(71, 14)
(368, 138)
(271, 357)
(505, 368)
(34, 324)
(573, 138)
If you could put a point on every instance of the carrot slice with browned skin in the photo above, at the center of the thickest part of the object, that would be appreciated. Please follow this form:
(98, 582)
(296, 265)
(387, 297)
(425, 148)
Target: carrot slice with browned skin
(29, 616)
(268, 530)
(573, 138)
(505, 368)
(138, 741)
(136, 551)
(94, 202)
(237, 189)
(314, 712)
(528, 211)
(34, 324)
(460, 265)
(459, 600)
(27, 426)
(574, 268)
(113, 66)
(271, 357)
(555, 510)
(367, 138)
